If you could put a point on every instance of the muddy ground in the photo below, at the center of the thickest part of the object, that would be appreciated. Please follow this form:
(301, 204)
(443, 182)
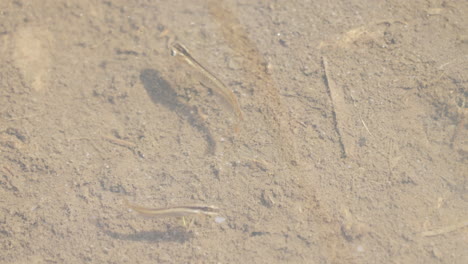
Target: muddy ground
(351, 147)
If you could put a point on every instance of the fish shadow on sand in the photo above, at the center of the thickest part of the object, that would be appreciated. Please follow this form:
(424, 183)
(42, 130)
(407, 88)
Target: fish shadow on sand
(162, 93)
(179, 235)
(172, 234)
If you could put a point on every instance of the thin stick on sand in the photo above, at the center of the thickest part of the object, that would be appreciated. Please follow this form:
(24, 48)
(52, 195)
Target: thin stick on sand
(337, 98)
(444, 230)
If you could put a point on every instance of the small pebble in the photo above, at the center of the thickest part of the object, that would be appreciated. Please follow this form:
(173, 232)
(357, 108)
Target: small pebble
(360, 248)
(219, 219)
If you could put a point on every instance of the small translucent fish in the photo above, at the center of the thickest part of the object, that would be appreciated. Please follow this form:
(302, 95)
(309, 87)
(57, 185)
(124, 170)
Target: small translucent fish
(176, 211)
(220, 87)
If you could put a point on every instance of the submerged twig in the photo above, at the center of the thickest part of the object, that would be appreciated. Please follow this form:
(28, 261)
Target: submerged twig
(444, 230)
(337, 98)
(120, 142)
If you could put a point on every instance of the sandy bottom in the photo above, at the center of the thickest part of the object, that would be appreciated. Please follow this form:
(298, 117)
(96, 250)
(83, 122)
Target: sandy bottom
(350, 145)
